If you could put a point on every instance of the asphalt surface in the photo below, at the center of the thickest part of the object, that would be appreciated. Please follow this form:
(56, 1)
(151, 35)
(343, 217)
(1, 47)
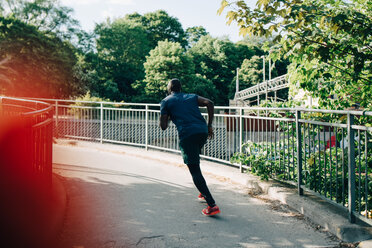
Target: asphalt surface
(130, 197)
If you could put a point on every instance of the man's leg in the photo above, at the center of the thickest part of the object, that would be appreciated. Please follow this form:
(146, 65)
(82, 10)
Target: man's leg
(200, 184)
(190, 148)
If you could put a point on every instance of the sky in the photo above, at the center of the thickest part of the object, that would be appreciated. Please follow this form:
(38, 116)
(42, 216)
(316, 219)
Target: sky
(189, 13)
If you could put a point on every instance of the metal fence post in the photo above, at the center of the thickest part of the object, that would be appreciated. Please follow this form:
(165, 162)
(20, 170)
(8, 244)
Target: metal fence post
(1, 106)
(101, 123)
(299, 152)
(351, 167)
(146, 128)
(56, 114)
(241, 136)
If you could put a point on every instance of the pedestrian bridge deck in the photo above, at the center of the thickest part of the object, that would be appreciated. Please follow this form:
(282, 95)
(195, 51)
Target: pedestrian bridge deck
(121, 196)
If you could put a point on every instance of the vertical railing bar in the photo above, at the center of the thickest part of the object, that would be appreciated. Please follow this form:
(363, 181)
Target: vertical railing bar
(87, 123)
(308, 148)
(275, 150)
(115, 125)
(351, 168)
(137, 127)
(258, 130)
(330, 162)
(325, 163)
(337, 193)
(299, 153)
(240, 136)
(229, 136)
(110, 126)
(293, 150)
(288, 154)
(262, 134)
(271, 149)
(131, 127)
(146, 127)
(343, 168)
(319, 160)
(106, 127)
(280, 147)
(56, 115)
(314, 154)
(284, 150)
(101, 122)
(360, 174)
(366, 172)
(266, 145)
(305, 154)
(250, 129)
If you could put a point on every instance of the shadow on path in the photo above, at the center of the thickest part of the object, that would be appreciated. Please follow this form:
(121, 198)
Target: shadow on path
(116, 209)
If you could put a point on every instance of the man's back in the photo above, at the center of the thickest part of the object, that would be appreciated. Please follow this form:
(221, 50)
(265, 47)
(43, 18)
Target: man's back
(184, 111)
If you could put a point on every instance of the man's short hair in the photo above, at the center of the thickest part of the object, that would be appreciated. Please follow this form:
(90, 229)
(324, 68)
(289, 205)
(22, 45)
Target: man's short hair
(175, 85)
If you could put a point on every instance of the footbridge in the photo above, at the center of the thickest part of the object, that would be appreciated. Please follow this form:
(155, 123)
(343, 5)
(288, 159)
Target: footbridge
(262, 88)
(126, 185)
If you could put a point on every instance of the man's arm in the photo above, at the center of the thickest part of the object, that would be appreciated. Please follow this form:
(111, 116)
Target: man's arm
(164, 120)
(205, 102)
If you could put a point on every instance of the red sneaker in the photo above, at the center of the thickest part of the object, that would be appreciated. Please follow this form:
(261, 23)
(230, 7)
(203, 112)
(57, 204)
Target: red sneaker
(211, 210)
(201, 198)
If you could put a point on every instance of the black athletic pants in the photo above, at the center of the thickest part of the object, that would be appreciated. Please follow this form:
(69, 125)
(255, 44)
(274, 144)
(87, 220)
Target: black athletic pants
(190, 148)
(200, 184)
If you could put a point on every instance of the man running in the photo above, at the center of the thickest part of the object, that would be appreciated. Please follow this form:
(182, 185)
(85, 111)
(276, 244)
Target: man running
(183, 110)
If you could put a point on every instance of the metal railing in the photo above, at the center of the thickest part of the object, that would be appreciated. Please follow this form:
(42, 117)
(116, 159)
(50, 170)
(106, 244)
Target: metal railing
(33, 138)
(323, 151)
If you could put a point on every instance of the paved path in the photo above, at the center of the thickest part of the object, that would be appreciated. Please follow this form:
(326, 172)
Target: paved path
(121, 198)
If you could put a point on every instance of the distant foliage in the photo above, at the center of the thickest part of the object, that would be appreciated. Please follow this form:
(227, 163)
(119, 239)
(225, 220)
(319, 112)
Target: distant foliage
(38, 64)
(45, 53)
(328, 43)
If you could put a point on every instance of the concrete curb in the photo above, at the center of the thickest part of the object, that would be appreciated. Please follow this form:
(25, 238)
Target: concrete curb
(334, 219)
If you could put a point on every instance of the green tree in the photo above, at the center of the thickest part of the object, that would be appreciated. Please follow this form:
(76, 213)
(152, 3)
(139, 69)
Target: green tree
(328, 43)
(168, 60)
(217, 60)
(160, 26)
(193, 34)
(250, 74)
(39, 64)
(47, 15)
(201, 86)
(121, 50)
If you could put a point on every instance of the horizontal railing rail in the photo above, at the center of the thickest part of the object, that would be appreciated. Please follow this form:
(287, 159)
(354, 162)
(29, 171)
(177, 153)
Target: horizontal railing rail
(327, 152)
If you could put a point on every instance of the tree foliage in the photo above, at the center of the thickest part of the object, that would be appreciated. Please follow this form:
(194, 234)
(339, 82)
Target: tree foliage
(193, 34)
(168, 60)
(114, 62)
(37, 63)
(160, 26)
(46, 15)
(327, 41)
(121, 50)
(217, 60)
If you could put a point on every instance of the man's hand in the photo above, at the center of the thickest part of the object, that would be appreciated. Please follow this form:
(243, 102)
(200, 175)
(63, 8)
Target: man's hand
(210, 133)
(205, 102)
